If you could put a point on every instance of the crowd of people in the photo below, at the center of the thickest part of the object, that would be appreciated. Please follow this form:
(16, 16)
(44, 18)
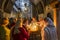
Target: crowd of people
(24, 29)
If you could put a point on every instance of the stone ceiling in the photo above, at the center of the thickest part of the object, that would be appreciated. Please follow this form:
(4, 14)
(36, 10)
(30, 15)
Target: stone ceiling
(8, 5)
(35, 1)
(46, 2)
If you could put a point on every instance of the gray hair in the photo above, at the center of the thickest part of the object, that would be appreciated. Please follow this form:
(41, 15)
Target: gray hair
(16, 27)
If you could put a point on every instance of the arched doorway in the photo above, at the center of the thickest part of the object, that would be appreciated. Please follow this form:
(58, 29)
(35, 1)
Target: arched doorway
(38, 9)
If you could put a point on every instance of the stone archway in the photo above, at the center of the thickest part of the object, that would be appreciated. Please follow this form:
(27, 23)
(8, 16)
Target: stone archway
(49, 9)
(38, 8)
(6, 6)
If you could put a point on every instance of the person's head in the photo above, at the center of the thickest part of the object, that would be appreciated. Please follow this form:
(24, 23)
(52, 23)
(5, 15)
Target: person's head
(19, 23)
(48, 21)
(33, 19)
(12, 20)
(4, 21)
(41, 19)
(25, 21)
(50, 16)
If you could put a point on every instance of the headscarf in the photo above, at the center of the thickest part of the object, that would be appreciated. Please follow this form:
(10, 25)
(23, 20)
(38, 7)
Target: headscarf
(49, 21)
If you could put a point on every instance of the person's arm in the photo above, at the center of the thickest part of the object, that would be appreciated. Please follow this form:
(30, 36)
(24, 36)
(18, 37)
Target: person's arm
(44, 35)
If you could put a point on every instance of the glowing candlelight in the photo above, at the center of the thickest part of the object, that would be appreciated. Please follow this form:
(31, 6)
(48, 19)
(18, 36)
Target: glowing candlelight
(33, 27)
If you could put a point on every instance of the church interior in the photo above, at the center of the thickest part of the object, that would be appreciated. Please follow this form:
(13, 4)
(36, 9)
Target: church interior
(32, 8)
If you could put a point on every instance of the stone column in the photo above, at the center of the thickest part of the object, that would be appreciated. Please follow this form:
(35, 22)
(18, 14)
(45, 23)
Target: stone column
(58, 22)
(55, 17)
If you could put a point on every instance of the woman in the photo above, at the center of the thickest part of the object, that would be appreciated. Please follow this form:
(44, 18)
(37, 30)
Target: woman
(48, 31)
(19, 32)
(4, 31)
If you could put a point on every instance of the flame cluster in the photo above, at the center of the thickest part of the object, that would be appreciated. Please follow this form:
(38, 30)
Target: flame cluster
(33, 27)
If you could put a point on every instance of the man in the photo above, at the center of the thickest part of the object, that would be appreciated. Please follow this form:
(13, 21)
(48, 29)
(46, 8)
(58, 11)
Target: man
(19, 32)
(48, 31)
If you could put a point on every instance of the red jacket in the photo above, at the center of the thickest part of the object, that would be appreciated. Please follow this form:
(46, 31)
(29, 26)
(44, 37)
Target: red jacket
(23, 35)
